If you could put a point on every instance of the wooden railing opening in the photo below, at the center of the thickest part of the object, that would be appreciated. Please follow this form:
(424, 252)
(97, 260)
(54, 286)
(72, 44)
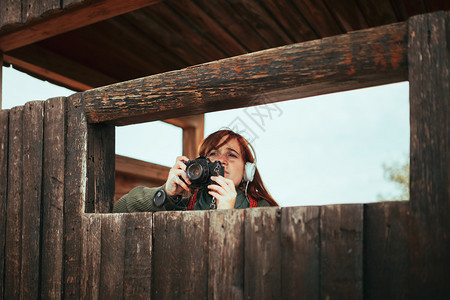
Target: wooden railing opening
(57, 240)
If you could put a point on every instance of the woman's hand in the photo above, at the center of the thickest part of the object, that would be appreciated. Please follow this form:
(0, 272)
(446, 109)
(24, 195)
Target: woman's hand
(224, 192)
(175, 185)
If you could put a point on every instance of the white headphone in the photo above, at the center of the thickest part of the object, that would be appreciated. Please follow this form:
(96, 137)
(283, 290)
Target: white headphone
(249, 171)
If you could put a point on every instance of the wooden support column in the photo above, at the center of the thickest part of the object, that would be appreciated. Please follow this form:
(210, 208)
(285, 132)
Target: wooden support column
(429, 228)
(1, 79)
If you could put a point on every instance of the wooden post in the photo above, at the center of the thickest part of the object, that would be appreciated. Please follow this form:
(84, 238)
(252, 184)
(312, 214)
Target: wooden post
(74, 194)
(53, 200)
(33, 144)
(429, 69)
(13, 246)
(1, 78)
(341, 251)
(101, 163)
(4, 115)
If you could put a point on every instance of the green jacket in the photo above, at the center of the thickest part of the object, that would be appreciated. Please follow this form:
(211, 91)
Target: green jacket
(140, 199)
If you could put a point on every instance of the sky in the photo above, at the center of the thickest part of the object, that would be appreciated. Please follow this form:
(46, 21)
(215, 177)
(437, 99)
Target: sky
(313, 151)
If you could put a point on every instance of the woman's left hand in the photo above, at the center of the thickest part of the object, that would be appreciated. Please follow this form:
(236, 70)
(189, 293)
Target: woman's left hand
(224, 192)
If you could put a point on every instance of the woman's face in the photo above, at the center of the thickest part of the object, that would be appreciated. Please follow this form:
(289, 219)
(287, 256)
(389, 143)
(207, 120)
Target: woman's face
(231, 157)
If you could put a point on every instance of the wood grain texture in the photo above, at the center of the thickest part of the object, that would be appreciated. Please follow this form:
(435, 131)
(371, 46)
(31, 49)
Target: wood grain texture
(86, 13)
(300, 252)
(101, 156)
(341, 251)
(75, 193)
(262, 253)
(53, 199)
(4, 134)
(112, 256)
(180, 255)
(386, 250)
(137, 276)
(226, 255)
(33, 144)
(429, 69)
(355, 60)
(90, 256)
(13, 245)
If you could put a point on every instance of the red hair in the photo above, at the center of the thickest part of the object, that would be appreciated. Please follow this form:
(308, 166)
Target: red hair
(256, 188)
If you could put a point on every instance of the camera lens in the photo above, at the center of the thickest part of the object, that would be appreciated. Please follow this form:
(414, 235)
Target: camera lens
(194, 171)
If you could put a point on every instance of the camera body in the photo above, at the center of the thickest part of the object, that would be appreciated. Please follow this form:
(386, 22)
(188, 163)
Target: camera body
(200, 170)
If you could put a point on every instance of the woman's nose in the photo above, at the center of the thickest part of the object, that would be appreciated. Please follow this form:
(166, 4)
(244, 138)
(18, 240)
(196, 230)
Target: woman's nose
(222, 159)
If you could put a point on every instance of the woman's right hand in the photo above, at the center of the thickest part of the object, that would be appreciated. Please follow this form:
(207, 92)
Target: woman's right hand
(175, 185)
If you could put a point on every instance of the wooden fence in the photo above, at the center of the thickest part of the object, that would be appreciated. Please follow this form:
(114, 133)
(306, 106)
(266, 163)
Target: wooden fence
(56, 186)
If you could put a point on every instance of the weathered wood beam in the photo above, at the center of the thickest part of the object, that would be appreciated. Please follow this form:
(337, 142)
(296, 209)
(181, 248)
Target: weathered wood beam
(64, 20)
(49, 75)
(350, 61)
(134, 167)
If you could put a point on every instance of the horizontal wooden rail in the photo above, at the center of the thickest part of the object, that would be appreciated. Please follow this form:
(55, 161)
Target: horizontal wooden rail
(350, 61)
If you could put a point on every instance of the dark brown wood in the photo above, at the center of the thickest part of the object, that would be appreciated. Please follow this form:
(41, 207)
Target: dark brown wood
(70, 19)
(429, 69)
(386, 250)
(341, 251)
(32, 9)
(317, 14)
(1, 77)
(91, 256)
(33, 144)
(180, 255)
(262, 253)
(347, 13)
(226, 255)
(377, 13)
(53, 199)
(300, 252)
(355, 60)
(13, 246)
(74, 194)
(47, 74)
(101, 156)
(137, 275)
(4, 119)
(209, 27)
(112, 256)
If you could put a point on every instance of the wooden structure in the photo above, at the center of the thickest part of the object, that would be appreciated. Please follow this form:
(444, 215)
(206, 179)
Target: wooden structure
(57, 239)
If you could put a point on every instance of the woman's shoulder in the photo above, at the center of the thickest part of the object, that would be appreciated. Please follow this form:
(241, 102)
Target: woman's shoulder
(263, 203)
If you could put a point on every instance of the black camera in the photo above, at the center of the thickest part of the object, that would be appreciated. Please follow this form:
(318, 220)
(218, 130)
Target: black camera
(200, 170)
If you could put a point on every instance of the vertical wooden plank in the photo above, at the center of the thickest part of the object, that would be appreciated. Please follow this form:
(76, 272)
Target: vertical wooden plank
(13, 246)
(262, 253)
(91, 256)
(112, 256)
(4, 134)
(226, 255)
(386, 250)
(300, 244)
(33, 122)
(341, 265)
(53, 199)
(101, 164)
(1, 79)
(74, 194)
(180, 255)
(429, 69)
(137, 276)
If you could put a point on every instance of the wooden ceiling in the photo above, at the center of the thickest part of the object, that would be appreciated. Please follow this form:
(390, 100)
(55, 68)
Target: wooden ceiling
(175, 34)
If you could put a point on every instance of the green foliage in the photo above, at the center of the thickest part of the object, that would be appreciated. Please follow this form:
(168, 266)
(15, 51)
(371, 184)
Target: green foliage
(398, 173)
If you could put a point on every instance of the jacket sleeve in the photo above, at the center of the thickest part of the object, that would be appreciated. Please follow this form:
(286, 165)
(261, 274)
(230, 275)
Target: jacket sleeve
(140, 199)
(262, 203)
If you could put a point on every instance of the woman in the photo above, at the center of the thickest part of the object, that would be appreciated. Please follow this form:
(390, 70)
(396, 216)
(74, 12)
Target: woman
(240, 187)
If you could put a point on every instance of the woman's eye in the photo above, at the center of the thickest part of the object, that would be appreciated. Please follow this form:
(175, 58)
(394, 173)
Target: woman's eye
(212, 154)
(233, 155)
